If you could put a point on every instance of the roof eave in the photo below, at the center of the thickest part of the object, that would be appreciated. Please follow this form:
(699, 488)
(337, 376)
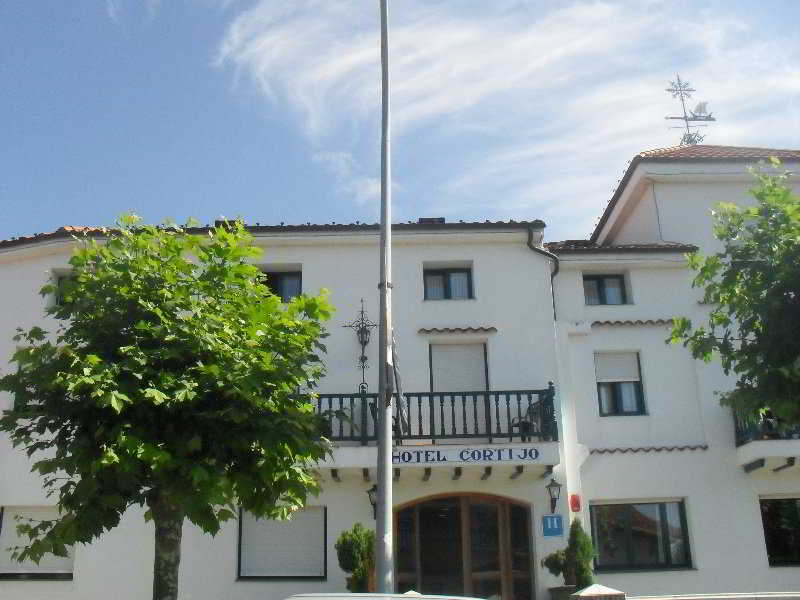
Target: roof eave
(638, 159)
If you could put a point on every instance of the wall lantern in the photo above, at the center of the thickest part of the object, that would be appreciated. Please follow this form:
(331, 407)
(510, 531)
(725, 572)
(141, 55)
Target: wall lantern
(554, 490)
(362, 326)
(363, 334)
(372, 493)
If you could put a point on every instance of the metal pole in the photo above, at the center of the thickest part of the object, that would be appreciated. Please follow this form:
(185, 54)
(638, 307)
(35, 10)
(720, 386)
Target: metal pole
(383, 525)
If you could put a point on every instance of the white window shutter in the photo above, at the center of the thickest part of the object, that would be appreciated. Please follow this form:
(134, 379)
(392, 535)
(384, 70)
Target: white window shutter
(293, 548)
(616, 366)
(9, 539)
(458, 367)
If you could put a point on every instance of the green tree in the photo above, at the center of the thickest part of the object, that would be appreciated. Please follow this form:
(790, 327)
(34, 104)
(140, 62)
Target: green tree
(173, 384)
(752, 288)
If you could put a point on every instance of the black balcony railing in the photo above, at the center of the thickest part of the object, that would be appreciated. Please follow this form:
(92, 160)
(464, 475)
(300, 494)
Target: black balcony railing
(767, 428)
(514, 415)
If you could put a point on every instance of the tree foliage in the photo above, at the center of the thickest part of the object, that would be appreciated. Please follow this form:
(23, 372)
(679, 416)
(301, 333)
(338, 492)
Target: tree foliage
(172, 382)
(575, 561)
(753, 289)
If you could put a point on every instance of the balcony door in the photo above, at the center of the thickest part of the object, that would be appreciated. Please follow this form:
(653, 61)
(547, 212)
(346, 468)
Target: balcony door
(455, 369)
(467, 545)
(458, 367)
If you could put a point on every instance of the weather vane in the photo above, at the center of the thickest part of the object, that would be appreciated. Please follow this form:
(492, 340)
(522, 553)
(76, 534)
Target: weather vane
(680, 89)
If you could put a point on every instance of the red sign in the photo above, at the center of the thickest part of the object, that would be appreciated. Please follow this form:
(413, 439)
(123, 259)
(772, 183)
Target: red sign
(575, 503)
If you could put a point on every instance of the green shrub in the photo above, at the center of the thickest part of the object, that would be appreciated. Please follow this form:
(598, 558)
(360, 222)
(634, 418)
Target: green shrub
(355, 550)
(575, 561)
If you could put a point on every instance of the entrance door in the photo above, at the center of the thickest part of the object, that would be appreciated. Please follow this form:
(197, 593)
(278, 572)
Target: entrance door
(465, 545)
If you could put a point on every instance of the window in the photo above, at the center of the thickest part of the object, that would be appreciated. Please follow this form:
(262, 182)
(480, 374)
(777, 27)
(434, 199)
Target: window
(448, 284)
(293, 549)
(604, 289)
(781, 519)
(62, 282)
(619, 383)
(49, 567)
(287, 285)
(649, 535)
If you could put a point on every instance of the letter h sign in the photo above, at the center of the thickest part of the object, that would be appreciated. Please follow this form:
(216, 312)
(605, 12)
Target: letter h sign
(552, 526)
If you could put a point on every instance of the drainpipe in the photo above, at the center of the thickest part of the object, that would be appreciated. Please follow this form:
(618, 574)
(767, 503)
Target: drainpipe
(553, 272)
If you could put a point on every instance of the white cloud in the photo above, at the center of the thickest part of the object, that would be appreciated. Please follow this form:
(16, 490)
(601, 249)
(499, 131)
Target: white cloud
(360, 188)
(510, 109)
(113, 10)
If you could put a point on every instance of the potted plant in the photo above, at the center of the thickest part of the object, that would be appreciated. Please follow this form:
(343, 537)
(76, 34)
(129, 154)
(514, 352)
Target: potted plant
(355, 549)
(573, 562)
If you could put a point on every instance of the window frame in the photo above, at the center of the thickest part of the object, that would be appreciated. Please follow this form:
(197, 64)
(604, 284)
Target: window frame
(445, 274)
(629, 566)
(616, 393)
(33, 575)
(323, 577)
(276, 276)
(770, 560)
(601, 288)
(58, 280)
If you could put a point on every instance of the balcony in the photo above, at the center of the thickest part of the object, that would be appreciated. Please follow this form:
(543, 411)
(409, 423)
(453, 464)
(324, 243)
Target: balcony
(766, 444)
(449, 417)
(508, 429)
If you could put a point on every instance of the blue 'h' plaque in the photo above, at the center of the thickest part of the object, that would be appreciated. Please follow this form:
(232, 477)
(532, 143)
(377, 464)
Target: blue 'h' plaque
(552, 526)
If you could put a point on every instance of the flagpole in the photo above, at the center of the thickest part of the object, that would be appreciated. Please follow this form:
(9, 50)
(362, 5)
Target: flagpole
(383, 525)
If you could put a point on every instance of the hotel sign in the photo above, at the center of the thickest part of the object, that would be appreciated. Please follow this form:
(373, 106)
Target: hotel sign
(465, 455)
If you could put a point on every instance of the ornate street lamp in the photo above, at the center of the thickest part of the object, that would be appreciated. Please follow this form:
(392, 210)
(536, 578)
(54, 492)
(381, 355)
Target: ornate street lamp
(554, 490)
(372, 493)
(362, 326)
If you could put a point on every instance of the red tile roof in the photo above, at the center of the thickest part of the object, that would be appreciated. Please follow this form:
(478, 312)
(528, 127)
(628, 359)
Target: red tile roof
(487, 329)
(646, 449)
(718, 153)
(580, 246)
(70, 230)
(701, 153)
(631, 322)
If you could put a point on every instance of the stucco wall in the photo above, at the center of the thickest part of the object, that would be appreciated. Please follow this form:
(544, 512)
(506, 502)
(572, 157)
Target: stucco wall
(512, 294)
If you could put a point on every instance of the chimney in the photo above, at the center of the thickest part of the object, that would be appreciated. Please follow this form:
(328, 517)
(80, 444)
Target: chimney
(536, 233)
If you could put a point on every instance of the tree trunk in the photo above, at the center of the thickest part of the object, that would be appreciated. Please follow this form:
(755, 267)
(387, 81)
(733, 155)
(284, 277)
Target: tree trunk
(168, 520)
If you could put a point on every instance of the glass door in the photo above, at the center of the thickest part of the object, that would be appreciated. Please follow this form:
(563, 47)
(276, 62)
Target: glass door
(470, 545)
(485, 549)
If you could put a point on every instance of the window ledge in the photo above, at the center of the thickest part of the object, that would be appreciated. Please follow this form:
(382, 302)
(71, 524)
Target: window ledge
(643, 414)
(643, 569)
(282, 578)
(36, 576)
(622, 304)
(783, 565)
(448, 299)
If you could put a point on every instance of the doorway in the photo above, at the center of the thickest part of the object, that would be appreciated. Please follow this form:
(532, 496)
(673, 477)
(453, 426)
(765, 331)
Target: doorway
(466, 545)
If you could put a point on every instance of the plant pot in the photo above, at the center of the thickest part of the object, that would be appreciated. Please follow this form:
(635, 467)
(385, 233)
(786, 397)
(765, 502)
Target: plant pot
(372, 581)
(562, 592)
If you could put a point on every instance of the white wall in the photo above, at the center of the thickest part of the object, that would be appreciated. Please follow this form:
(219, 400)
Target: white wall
(722, 501)
(512, 294)
(672, 202)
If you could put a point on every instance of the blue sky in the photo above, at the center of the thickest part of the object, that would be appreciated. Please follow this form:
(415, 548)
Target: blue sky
(269, 109)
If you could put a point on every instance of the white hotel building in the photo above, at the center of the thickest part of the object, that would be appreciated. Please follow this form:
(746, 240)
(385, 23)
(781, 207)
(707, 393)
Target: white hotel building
(522, 361)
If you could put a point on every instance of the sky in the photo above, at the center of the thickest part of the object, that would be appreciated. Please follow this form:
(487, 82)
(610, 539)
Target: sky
(269, 110)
